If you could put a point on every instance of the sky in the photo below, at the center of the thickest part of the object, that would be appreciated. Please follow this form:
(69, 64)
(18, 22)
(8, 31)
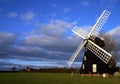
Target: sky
(37, 33)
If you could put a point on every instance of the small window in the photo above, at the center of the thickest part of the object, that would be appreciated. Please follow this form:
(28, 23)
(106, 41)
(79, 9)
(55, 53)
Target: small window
(84, 58)
(83, 66)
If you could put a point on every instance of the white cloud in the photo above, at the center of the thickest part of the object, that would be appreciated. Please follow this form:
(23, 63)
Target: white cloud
(112, 1)
(28, 16)
(12, 14)
(40, 44)
(85, 3)
(54, 5)
(6, 39)
(108, 3)
(0, 9)
(66, 10)
(115, 31)
(53, 36)
(55, 27)
(53, 14)
(47, 42)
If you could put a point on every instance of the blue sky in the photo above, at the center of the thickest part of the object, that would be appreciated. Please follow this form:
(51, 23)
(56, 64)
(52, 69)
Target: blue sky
(38, 33)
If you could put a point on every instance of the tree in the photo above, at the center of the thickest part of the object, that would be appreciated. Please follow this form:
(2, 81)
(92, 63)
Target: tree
(110, 45)
(13, 68)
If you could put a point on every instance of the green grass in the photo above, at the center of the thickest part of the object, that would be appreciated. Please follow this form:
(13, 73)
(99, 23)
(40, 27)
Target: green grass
(53, 78)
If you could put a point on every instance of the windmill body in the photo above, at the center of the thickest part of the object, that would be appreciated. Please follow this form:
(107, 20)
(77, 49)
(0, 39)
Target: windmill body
(95, 59)
(91, 64)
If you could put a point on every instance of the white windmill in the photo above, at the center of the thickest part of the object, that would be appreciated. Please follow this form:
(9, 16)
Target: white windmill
(88, 41)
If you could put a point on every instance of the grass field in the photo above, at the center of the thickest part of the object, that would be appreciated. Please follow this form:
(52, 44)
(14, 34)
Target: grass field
(53, 78)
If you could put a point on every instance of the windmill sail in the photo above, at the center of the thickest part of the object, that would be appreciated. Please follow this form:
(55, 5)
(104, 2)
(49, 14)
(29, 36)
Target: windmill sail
(80, 32)
(99, 24)
(98, 51)
(80, 47)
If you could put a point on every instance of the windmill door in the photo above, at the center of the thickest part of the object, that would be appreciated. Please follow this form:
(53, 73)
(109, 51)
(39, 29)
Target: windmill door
(94, 68)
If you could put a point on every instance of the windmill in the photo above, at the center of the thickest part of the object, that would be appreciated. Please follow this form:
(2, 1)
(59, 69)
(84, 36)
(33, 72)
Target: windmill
(95, 59)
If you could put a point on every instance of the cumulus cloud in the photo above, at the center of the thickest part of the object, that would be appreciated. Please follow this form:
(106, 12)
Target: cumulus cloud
(56, 28)
(115, 31)
(33, 64)
(108, 4)
(27, 16)
(54, 5)
(0, 9)
(66, 10)
(52, 36)
(52, 41)
(115, 34)
(49, 41)
(12, 14)
(5, 65)
(6, 39)
(112, 1)
(84, 3)
(53, 14)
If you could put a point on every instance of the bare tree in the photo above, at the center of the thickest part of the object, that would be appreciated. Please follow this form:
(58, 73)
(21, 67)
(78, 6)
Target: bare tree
(13, 68)
(110, 45)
